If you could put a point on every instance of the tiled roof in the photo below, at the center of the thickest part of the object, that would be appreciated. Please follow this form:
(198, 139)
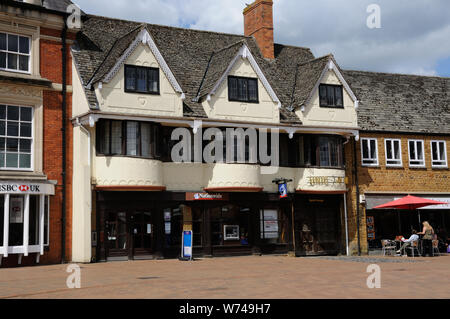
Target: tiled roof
(188, 53)
(401, 103)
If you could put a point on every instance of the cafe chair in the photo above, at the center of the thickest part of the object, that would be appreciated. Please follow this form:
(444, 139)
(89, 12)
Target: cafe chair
(435, 244)
(388, 246)
(414, 247)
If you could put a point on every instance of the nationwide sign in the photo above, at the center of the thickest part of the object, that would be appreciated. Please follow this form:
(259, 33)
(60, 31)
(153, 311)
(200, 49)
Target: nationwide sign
(205, 196)
(19, 188)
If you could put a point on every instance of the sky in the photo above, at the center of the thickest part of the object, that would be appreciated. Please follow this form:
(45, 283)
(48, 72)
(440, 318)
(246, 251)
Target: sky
(412, 36)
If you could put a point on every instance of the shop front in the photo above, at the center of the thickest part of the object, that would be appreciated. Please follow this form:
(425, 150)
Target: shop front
(24, 220)
(148, 225)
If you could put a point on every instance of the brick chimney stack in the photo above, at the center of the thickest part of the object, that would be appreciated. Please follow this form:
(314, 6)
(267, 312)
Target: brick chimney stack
(258, 22)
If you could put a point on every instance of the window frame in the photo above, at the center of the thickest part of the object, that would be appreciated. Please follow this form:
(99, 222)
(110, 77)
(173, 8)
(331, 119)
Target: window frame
(154, 145)
(136, 67)
(29, 55)
(445, 154)
(423, 152)
(231, 99)
(32, 138)
(368, 139)
(335, 86)
(400, 160)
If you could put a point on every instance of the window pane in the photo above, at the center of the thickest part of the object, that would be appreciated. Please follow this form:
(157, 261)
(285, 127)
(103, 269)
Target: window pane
(25, 114)
(434, 151)
(13, 113)
(12, 145)
(2, 127)
(12, 160)
(243, 89)
(442, 151)
(142, 80)
(419, 150)
(116, 137)
(2, 159)
(233, 88)
(25, 160)
(324, 151)
(13, 43)
(2, 144)
(2, 41)
(24, 45)
(412, 151)
(3, 60)
(104, 137)
(2, 112)
(153, 80)
(25, 146)
(365, 146)
(23, 63)
(397, 150)
(338, 95)
(323, 95)
(389, 149)
(130, 78)
(330, 96)
(373, 149)
(13, 129)
(145, 139)
(253, 90)
(12, 61)
(132, 134)
(25, 129)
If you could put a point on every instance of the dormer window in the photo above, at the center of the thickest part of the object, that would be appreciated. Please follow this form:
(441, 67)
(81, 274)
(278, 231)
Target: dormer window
(242, 89)
(15, 53)
(331, 96)
(139, 79)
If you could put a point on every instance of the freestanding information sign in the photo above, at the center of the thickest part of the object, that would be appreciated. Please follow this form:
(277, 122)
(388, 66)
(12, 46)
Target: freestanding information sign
(186, 247)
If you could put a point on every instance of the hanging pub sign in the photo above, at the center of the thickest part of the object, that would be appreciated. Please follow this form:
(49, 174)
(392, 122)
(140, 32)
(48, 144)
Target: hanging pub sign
(282, 189)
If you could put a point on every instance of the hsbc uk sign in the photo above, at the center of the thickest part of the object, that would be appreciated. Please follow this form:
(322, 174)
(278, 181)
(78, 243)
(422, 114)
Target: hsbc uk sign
(11, 188)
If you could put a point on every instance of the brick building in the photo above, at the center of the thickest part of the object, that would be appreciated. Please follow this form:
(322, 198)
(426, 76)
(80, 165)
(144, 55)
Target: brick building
(35, 134)
(403, 149)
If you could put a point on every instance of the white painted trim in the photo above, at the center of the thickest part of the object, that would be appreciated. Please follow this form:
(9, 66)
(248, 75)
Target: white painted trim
(26, 224)
(96, 116)
(386, 140)
(376, 152)
(144, 38)
(445, 154)
(423, 152)
(245, 53)
(331, 66)
(6, 225)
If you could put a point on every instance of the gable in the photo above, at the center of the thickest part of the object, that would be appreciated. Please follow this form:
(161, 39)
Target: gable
(113, 98)
(218, 106)
(312, 114)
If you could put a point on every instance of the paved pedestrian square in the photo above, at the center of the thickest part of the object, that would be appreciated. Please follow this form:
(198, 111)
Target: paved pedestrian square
(254, 277)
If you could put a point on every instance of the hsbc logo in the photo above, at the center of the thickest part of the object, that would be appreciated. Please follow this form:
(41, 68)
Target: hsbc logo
(24, 188)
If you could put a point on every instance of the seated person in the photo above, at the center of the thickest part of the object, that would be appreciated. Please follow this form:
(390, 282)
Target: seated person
(407, 242)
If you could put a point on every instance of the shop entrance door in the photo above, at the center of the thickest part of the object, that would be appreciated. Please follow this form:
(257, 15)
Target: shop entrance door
(117, 235)
(143, 233)
(317, 226)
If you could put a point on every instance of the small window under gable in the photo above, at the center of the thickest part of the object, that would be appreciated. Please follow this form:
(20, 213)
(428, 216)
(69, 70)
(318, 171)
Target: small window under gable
(243, 89)
(331, 96)
(139, 79)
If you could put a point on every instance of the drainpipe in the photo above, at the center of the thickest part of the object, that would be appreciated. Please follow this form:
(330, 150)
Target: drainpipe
(347, 249)
(355, 172)
(63, 129)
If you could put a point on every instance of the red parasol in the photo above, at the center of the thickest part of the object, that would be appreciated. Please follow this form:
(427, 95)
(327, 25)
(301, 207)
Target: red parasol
(410, 202)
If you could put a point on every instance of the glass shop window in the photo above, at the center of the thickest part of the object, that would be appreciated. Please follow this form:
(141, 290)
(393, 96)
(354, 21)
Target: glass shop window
(173, 226)
(273, 226)
(230, 225)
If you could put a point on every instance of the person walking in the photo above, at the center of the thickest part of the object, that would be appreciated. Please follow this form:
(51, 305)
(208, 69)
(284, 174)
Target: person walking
(427, 238)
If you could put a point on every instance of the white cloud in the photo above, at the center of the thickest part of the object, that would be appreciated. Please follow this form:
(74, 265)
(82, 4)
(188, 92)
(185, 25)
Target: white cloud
(413, 37)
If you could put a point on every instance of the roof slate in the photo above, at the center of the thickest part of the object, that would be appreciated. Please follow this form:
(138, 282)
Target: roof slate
(401, 103)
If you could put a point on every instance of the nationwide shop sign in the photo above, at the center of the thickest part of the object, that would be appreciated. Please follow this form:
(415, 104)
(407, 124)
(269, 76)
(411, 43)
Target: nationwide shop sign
(26, 188)
(205, 196)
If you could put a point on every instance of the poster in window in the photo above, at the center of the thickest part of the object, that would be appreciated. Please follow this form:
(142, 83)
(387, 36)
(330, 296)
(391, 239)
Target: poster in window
(270, 224)
(231, 232)
(16, 210)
